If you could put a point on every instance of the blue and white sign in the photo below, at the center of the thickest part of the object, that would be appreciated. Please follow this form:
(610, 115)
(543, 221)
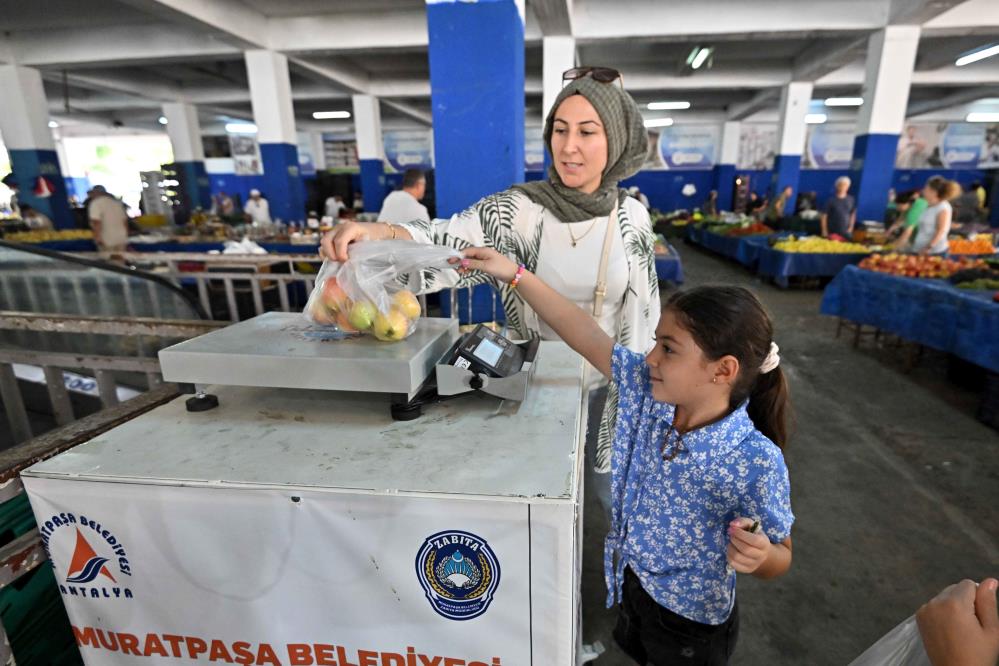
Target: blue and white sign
(830, 146)
(459, 573)
(408, 149)
(961, 145)
(689, 146)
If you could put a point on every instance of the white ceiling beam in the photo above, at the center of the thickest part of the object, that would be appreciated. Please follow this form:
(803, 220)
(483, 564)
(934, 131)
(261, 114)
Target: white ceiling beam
(116, 44)
(329, 33)
(351, 81)
(954, 99)
(761, 100)
(918, 12)
(681, 18)
(554, 16)
(119, 84)
(411, 111)
(235, 21)
(980, 14)
(985, 73)
(825, 57)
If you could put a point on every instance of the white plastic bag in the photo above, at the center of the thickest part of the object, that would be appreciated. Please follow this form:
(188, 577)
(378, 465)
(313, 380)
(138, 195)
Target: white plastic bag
(364, 295)
(902, 646)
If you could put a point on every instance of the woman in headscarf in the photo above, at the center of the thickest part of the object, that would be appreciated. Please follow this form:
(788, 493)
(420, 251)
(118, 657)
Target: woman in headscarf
(559, 228)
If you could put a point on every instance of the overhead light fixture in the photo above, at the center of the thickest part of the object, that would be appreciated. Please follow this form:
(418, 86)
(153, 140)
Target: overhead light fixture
(983, 117)
(53, 124)
(844, 101)
(241, 128)
(975, 56)
(668, 106)
(331, 115)
(701, 57)
(815, 118)
(658, 122)
(162, 120)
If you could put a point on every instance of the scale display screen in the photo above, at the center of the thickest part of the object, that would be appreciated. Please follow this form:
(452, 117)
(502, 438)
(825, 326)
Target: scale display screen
(488, 352)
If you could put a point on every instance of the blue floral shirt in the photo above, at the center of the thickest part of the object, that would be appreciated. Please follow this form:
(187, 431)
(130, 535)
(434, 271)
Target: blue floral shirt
(669, 519)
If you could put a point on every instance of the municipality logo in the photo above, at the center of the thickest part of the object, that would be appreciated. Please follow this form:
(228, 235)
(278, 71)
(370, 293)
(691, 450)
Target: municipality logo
(89, 573)
(459, 573)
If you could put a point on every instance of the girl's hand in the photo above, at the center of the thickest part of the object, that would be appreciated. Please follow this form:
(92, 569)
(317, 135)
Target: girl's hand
(488, 261)
(746, 551)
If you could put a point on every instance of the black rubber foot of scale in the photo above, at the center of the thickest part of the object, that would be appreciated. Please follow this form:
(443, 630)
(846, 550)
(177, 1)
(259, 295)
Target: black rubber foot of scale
(202, 403)
(406, 411)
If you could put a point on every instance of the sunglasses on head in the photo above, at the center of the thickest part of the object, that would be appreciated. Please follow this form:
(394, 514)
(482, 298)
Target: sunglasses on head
(600, 74)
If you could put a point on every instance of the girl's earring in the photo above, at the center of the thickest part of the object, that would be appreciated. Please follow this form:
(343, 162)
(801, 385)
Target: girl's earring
(714, 380)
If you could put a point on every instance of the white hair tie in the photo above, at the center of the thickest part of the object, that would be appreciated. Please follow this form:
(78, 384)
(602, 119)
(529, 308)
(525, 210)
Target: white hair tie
(772, 360)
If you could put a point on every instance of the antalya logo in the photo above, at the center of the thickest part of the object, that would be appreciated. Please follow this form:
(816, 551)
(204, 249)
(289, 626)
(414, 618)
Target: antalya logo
(459, 573)
(90, 570)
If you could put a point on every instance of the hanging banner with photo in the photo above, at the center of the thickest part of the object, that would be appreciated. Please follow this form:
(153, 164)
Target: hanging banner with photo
(829, 146)
(961, 145)
(245, 155)
(408, 149)
(306, 160)
(653, 160)
(757, 146)
(989, 157)
(534, 149)
(919, 146)
(689, 146)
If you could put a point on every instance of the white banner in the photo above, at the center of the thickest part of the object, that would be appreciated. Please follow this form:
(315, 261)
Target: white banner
(264, 576)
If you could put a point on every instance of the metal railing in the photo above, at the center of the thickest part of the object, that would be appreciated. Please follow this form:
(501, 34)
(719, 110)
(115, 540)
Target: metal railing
(102, 367)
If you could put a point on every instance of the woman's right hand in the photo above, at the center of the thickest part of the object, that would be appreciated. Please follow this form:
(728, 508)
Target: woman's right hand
(334, 243)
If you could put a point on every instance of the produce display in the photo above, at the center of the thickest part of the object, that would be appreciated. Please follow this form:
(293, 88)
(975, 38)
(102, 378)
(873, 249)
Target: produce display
(976, 278)
(814, 244)
(754, 229)
(365, 295)
(912, 265)
(980, 244)
(44, 235)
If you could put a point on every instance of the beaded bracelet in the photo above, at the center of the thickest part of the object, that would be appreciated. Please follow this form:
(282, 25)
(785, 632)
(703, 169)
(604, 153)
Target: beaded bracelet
(516, 278)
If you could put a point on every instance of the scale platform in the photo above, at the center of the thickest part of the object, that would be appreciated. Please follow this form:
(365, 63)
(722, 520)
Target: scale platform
(283, 350)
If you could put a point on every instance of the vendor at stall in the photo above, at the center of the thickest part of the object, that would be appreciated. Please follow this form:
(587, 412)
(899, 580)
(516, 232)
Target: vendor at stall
(35, 219)
(840, 215)
(557, 229)
(710, 207)
(909, 206)
(934, 222)
(775, 212)
(404, 205)
(256, 208)
(108, 220)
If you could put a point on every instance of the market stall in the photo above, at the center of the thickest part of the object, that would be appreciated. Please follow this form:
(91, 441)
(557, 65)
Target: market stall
(297, 522)
(809, 258)
(931, 312)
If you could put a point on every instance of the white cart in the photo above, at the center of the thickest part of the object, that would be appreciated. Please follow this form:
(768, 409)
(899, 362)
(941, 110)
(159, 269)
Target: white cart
(305, 526)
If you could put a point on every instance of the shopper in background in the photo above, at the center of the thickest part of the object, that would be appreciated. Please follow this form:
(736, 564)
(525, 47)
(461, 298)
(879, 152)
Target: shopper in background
(637, 194)
(840, 215)
(256, 208)
(223, 205)
(979, 191)
(35, 219)
(108, 220)
(710, 207)
(775, 212)
(404, 205)
(557, 228)
(960, 626)
(334, 205)
(909, 206)
(934, 223)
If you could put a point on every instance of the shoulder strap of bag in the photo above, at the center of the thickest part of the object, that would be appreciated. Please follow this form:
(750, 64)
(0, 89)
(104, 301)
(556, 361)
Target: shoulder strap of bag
(600, 291)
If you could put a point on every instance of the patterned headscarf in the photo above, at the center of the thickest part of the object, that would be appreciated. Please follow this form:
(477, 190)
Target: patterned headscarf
(627, 147)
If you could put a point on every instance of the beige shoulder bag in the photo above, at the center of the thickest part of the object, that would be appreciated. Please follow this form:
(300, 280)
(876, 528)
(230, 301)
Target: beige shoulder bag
(600, 291)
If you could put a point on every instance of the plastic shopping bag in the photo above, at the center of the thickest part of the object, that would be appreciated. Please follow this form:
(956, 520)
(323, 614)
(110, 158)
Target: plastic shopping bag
(364, 295)
(902, 646)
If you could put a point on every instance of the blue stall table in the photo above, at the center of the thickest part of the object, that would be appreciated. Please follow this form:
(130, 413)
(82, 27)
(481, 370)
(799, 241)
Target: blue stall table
(933, 313)
(784, 265)
(669, 268)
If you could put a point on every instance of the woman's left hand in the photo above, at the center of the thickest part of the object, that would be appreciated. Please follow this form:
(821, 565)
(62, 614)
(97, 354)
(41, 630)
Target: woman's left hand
(746, 551)
(487, 260)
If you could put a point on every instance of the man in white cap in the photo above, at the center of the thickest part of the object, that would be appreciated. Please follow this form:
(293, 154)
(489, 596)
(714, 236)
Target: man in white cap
(257, 209)
(108, 220)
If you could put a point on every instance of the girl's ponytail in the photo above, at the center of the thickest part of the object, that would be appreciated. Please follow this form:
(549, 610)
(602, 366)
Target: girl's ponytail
(770, 406)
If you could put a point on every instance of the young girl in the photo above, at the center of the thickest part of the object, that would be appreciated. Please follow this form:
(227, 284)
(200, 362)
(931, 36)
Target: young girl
(698, 484)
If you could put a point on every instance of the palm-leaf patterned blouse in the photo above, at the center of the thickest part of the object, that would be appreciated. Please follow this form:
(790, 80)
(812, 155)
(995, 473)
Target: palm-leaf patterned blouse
(512, 224)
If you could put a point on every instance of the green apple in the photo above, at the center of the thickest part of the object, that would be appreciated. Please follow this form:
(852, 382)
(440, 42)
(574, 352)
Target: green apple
(362, 315)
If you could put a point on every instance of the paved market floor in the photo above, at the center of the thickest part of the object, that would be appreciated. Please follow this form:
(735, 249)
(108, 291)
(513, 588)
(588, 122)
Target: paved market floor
(894, 483)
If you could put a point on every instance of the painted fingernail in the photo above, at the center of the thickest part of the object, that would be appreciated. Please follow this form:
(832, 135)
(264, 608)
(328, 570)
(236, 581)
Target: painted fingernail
(465, 263)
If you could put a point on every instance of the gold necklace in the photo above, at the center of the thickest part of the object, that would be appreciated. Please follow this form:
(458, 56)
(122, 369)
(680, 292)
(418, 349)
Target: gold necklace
(576, 240)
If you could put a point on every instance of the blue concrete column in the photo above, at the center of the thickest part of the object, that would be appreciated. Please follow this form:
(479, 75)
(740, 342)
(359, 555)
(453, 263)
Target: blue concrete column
(24, 122)
(184, 130)
(370, 150)
(795, 98)
(891, 58)
(270, 94)
(477, 93)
